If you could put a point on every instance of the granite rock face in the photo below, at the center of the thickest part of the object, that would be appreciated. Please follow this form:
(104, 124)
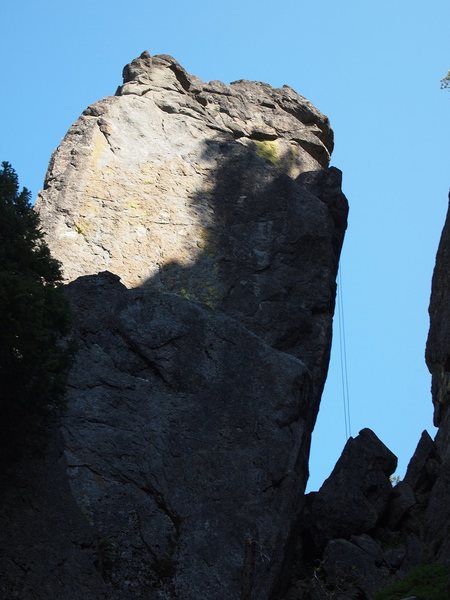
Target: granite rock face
(186, 438)
(150, 177)
(354, 497)
(219, 193)
(200, 229)
(181, 463)
(337, 547)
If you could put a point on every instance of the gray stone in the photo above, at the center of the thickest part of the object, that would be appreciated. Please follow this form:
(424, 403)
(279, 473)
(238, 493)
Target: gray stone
(184, 449)
(354, 569)
(437, 524)
(394, 557)
(221, 194)
(438, 342)
(47, 547)
(401, 501)
(422, 468)
(353, 499)
(133, 185)
(183, 453)
(186, 438)
(438, 360)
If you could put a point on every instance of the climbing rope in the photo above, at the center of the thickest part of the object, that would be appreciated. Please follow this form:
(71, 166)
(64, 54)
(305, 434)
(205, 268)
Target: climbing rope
(343, 354)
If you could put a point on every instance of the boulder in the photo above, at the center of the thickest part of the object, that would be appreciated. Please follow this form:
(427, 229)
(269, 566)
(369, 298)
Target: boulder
(355, 568)
(354, 497)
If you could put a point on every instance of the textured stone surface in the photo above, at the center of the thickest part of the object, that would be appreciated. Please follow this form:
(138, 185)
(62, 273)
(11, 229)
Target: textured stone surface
(438, 343)
(355, 496)
(402, 500)
(183, 453)
(218, 193)
(133, 187)
(421, 472)
(355, 568)
(47, 548)
(438, 361)
(337, 548)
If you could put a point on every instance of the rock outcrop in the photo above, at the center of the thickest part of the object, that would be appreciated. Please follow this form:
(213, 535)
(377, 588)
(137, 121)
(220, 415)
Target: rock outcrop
(183, 454)
(355, 496)
(357, 534)
(217, 193)
(438, 361)
(184, 444)
(149, 178)
(199, 228)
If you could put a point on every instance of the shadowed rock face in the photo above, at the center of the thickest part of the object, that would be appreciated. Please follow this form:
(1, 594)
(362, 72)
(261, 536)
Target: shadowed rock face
(352, 500)
(438, 343)
(183, 453)
(363, 533)
(185, 443)
(438, 361)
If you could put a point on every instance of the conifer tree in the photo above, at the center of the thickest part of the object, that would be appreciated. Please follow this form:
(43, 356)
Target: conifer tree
(34, 318)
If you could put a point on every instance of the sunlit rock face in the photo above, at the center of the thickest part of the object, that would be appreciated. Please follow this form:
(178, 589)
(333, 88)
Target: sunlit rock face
(219, 193)
(200, 228)
(133, 186)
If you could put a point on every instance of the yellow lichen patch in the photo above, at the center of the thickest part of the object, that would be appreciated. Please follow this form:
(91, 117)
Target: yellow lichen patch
(90, 207)
(268, 150)
(133, 204)
(83, 227)
(98, 146)
(148, 168)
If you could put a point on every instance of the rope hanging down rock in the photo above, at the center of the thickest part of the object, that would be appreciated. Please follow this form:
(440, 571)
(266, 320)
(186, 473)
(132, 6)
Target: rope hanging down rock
(343, 357)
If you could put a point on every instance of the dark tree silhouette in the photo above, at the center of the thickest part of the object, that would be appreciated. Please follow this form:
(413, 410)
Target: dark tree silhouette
(34, 319)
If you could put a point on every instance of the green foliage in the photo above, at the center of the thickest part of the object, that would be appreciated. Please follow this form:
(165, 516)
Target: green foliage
(34, 315)
(394, 479)
(426, 582)
(445, 82)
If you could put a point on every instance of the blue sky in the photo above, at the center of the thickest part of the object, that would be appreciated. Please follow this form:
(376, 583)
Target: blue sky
(372, 67)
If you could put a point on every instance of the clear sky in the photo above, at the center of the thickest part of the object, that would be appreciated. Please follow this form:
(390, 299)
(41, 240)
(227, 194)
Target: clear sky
(372, 67)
